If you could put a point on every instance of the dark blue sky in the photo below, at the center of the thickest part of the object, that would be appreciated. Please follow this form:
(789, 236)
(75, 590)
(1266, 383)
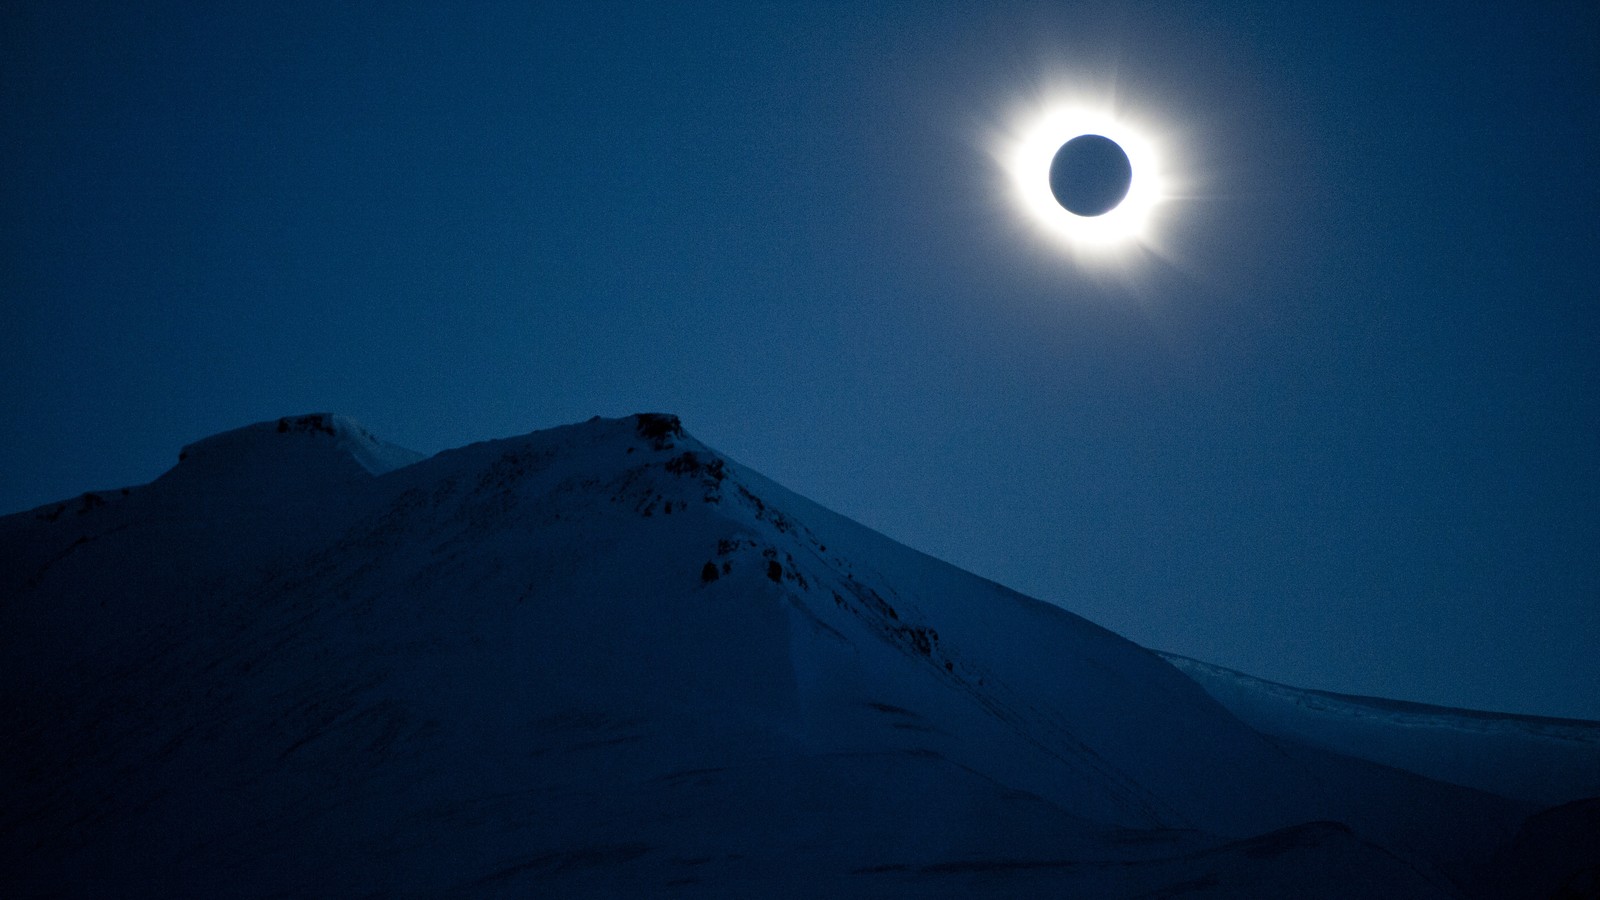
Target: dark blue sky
(1345, 434)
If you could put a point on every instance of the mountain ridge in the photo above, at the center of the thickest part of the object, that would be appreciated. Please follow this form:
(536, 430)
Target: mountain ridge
(574, 659)
(1538, 759)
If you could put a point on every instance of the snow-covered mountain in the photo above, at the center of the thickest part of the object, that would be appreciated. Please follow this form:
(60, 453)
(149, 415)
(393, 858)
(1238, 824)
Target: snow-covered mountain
(605, 660)
(1541, 760)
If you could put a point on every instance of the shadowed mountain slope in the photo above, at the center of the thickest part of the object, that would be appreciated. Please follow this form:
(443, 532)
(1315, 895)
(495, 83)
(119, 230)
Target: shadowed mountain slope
(605, 659)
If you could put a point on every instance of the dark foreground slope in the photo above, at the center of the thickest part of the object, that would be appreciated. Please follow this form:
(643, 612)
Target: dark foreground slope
(603, 659)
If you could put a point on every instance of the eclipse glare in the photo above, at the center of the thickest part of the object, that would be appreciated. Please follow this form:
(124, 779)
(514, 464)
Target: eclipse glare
(1094, 179)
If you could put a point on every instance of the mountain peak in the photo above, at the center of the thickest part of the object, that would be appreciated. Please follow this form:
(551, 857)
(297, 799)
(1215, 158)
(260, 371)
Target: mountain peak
(314, 447)
(657, 426)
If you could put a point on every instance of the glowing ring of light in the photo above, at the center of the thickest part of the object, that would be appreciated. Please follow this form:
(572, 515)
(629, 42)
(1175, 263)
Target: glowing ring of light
(1027, 158)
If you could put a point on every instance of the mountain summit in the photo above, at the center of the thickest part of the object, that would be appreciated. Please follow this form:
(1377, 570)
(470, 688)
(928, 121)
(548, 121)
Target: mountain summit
(604, 659)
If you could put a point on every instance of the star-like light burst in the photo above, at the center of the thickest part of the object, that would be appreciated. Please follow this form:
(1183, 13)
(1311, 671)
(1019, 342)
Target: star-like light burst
(1026, 150)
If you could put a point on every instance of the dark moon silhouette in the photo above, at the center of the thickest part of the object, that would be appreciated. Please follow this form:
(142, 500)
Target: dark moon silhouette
(1090, 175)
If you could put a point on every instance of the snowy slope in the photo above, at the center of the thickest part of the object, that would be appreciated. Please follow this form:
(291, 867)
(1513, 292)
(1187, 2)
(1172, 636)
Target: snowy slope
(604, 659)
(304, 449)
(1541, 760)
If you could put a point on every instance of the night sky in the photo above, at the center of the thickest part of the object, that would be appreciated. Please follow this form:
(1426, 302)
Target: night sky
(1334, 422)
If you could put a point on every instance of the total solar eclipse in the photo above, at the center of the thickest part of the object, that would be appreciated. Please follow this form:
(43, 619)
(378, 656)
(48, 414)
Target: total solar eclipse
(1095, 180)
(1090, 175)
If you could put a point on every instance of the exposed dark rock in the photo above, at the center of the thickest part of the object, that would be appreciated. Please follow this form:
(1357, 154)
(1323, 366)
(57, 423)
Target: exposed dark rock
(311, 424)
(658, 429)
(690, 463)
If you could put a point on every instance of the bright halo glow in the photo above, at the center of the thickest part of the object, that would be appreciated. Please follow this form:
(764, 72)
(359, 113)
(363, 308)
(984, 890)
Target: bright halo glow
(1026, 157)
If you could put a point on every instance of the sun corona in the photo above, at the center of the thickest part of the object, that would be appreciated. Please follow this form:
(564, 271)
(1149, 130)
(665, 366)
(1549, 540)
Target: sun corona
(1026, 155)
